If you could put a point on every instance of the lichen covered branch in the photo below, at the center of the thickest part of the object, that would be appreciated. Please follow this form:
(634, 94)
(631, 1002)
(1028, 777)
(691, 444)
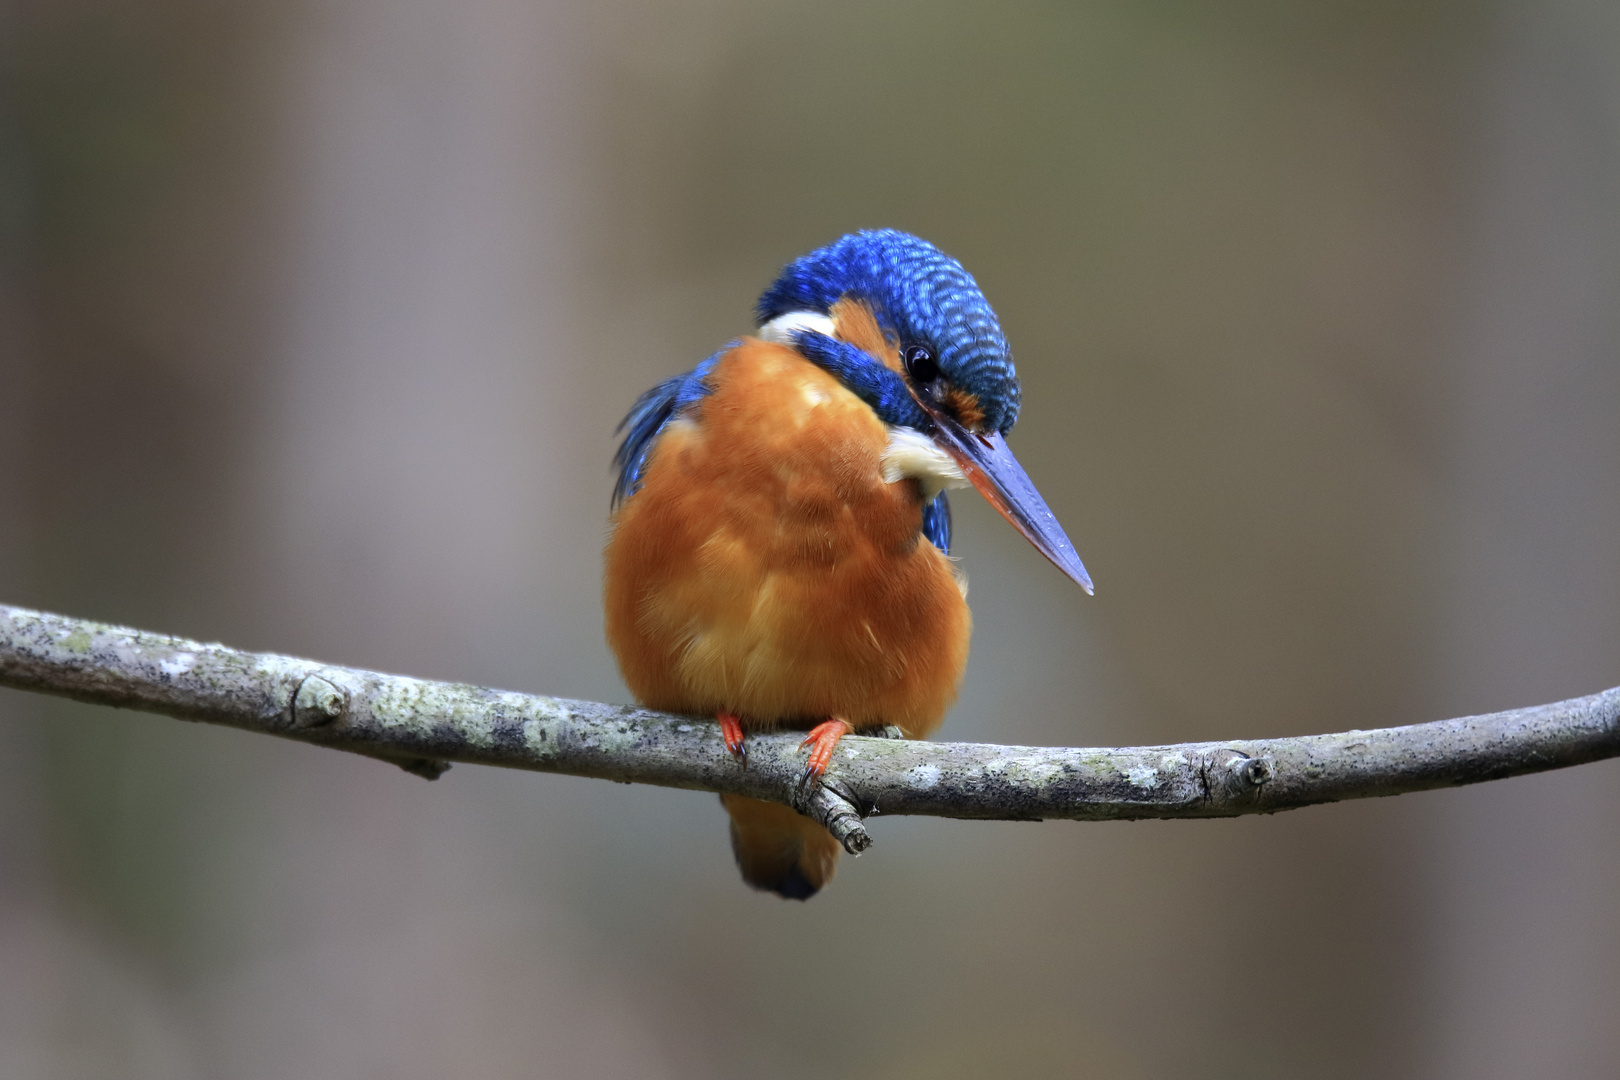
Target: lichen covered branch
(422, 725)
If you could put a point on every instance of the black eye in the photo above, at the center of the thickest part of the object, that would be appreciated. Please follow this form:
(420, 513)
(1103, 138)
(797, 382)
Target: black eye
(920, 364)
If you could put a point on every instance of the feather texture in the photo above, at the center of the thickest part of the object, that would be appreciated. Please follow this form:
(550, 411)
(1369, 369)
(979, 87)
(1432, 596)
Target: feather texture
(765, 568)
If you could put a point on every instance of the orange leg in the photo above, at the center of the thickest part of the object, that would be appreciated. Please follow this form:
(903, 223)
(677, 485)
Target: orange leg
(731, 731)
(823, 738)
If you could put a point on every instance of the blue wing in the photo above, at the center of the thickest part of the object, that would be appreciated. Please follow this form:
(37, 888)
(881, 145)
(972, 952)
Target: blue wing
(647, 418)
(936, 523)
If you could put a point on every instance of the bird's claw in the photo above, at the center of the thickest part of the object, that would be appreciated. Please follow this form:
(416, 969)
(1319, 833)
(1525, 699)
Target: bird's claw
(731, 732)
(823, 740)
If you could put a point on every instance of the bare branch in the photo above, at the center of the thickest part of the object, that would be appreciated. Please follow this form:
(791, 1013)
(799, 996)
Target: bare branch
(421, 725)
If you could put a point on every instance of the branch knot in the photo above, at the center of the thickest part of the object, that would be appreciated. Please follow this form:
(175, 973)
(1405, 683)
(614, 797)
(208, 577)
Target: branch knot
(1230, 773)
(318, 702)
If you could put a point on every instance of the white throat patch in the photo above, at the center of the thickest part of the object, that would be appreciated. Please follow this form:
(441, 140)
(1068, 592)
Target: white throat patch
(911, 455)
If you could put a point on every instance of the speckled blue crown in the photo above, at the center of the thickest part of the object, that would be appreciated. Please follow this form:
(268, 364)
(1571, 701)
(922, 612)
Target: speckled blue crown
(923, 296)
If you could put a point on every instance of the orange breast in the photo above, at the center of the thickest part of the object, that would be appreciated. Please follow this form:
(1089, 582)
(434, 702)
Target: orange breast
(765, 568)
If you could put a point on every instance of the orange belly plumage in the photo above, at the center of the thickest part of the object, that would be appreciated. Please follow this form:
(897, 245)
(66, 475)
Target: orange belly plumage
(766, 569)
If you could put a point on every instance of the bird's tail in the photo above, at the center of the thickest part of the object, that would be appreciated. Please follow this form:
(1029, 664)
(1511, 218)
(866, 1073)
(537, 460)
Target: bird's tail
(778, 849)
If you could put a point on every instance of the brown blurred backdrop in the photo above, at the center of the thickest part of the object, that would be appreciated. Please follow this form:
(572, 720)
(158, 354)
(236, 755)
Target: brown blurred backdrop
(315, 322)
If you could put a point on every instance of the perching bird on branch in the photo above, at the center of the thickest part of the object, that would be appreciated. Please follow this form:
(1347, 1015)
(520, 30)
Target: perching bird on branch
(778, 556)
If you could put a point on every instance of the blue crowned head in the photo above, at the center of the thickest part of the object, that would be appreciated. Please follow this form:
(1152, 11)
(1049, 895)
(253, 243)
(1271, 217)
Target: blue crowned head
(943, 324)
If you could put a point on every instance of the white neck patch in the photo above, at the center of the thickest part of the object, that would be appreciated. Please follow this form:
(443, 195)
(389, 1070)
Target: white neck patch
(780, 330)
(911, 455)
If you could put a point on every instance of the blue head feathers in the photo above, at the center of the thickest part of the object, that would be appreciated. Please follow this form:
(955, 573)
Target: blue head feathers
(920, 294)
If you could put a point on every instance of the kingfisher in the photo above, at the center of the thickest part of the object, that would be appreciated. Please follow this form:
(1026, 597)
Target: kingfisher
(778, 554)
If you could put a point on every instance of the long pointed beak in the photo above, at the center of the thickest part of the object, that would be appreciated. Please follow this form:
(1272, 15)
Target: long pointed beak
(990, 466)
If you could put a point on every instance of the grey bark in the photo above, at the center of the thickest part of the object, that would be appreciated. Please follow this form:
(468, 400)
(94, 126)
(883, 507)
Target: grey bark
(422, 725)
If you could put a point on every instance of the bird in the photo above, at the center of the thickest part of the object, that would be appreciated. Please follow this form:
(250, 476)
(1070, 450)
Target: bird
(778, 554)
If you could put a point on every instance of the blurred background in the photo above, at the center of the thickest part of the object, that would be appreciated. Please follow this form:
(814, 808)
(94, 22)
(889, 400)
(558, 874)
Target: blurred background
(315, 323)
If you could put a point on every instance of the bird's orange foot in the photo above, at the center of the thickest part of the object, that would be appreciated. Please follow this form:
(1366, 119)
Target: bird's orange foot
(823, 739)
(731, 731)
